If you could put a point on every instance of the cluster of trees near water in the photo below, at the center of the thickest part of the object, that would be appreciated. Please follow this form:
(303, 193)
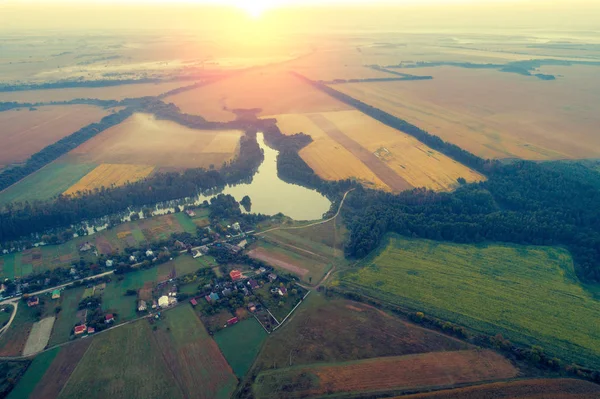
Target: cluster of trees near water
(522, 203)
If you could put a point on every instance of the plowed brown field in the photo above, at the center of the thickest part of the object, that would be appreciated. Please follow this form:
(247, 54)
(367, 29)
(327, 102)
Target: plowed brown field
(531, 389)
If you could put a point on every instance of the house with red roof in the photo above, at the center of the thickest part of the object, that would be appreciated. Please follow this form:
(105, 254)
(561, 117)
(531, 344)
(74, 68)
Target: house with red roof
(80, 329)
(91, 330)
(235, 275)
(232, 321)
(109, 318)
(193, 302)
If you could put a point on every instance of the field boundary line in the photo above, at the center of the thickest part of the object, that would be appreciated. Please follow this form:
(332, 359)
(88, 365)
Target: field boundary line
(291, 311)
(261, 324)
(75, 369)
(274, 318)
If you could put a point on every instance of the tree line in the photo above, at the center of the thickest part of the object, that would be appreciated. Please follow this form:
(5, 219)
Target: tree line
(521, 203)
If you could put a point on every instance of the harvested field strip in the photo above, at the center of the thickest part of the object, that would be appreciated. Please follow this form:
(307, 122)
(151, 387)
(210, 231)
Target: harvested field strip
(110, 175)
(410, 372)
(193, 357)
(293, 240)
(382, 170)
(60, 370)
(560, 388)
(278, 260)
(39, 336)
(241, 343)
(33, 375)
(122, 363)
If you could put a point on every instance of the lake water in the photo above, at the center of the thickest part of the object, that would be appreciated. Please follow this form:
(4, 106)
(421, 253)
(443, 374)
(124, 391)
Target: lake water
(271, 195)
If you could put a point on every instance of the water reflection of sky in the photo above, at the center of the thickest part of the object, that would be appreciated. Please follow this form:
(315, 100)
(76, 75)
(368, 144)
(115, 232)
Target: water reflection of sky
(271, 195)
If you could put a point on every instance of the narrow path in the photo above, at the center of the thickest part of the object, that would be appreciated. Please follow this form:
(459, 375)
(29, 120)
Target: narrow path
(12, 317)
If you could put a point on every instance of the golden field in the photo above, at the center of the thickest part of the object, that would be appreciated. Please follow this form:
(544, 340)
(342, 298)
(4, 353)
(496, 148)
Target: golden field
(144, 140)
(108, 175)
(24, 132)
(495, 114)
(411, 160)
(273, 90)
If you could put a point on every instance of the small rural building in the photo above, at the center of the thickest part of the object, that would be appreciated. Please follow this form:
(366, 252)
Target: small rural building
(213, 297)
(80, 329)
(56, 294)
(109, 263)
(253, 284)
(193, 302)
(235, 275)
(226, 292)
(172, 301)
(73, 271)
(197, 254)
(232, 321)
(272, 277)
(242, 244)
(282, 291)
(132, 259)
(190, 213)
(179, 244)
(91, 330)
(252, 307)
(149, 253)
(85, 247)
(236, 226)
(109, 318)
(33, 301)
(163, 301)
(262, 270)
(142, 305)
(154, 304)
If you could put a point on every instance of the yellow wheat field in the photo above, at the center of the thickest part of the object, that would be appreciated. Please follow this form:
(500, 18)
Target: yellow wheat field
(109, 175)
(144, 140)
(416, 163)
(327, 158)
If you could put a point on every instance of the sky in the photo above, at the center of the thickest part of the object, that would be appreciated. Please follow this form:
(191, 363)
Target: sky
(367, 14)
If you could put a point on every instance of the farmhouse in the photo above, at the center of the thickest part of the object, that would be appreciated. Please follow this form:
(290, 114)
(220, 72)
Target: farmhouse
(272, 277)
(91, 330)
(253, 284)
(56, 294)
(282, 291)
(235, 275)
(197, 254)
(236, 226)
(109, 263)
(33, 301)
(109, 318)
(163, 301)
(212, 297)
(142, 305)
(80, 329)
(193, 302)
(190, 213)
(149, 253)
(85, 247)
(252, 307)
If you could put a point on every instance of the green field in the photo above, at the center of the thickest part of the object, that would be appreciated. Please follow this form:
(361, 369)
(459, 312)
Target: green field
(5, 315)
(529, 294)
(33, 375)
(241, 343)
(67, 318)
(46, 183)
(13, 340)
(123, 363)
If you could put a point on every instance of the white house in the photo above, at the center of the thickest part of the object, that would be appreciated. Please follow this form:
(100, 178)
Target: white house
(163, 301)
(109, 263)
(149, 253)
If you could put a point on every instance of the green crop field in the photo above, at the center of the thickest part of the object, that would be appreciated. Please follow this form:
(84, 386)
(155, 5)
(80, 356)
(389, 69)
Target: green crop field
(125, 363)
(67, 318)
(529, 294)
(33, 375)
(241, 343)
(46, 183)
(186, 222)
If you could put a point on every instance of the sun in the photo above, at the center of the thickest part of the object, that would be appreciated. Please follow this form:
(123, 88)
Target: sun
(255, 8)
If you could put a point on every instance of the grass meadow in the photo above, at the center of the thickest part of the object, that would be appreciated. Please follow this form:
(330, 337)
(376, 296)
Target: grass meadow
(241, 343)
(529, 294)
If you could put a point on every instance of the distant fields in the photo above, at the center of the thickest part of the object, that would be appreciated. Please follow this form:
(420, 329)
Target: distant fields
(109, 175)
(46, 183)
(67, 317)
(395, 159)
(496, 114)
(130, 234)
(240, 344)
(529, 294)
(26, 132)
(273, 90)
(101, 93)
(14, 338)
(144, 140)
(385, 374)
(560, 388)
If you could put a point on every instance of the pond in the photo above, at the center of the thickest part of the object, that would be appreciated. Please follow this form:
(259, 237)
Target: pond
(271, 195)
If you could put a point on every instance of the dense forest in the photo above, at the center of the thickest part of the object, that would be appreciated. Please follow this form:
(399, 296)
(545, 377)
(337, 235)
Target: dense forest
(522, 203)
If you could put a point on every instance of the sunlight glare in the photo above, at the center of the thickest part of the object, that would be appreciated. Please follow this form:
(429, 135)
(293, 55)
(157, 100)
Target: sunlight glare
(255, 8)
